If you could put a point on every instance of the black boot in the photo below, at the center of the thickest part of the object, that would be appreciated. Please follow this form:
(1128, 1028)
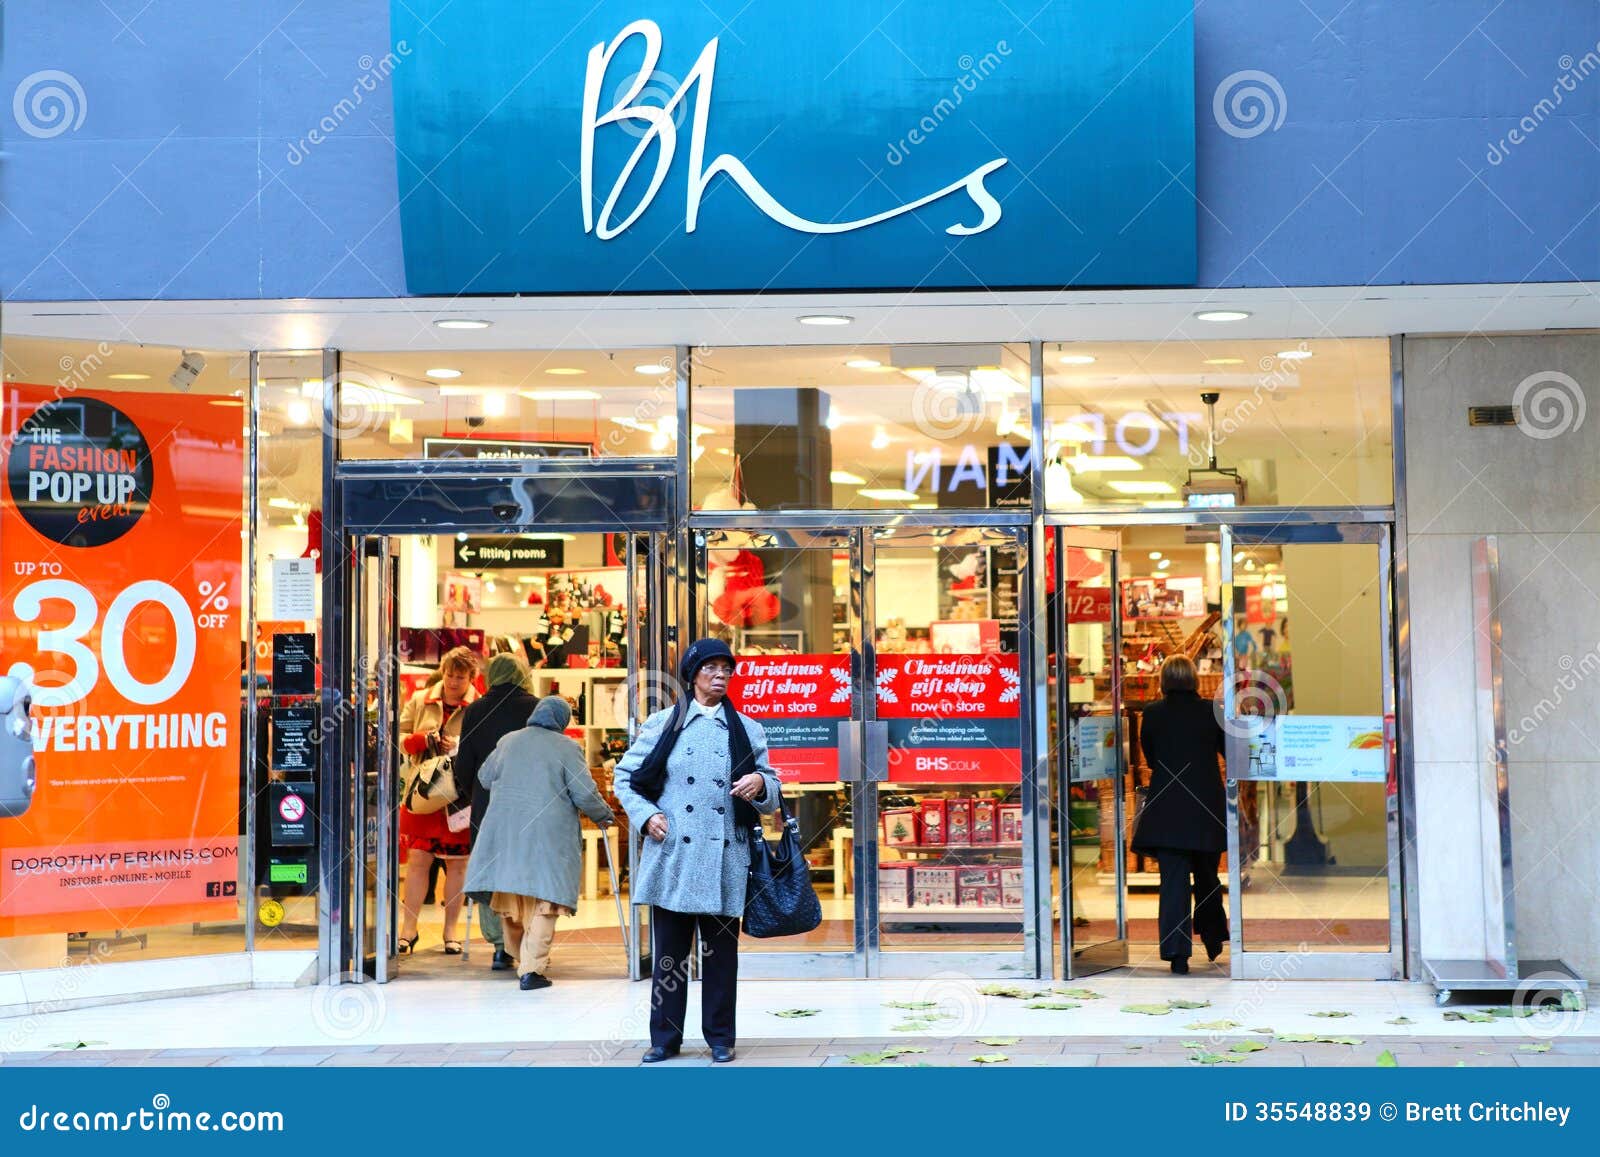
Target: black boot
(1180, 965)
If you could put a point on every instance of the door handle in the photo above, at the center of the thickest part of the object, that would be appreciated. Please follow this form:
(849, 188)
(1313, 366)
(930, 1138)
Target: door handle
(849, 752)
(875, 767)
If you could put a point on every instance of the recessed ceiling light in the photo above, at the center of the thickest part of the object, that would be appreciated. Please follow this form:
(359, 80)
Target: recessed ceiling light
(462, 323)
(130, 377)
(825, 319)
(845, 478)
(443, 375)
(564, 371)
(1156, 555)
(1222, 315)
(1224, 361)
(1076, 359)
(864, 364)
(1294, 355)
(653, 368)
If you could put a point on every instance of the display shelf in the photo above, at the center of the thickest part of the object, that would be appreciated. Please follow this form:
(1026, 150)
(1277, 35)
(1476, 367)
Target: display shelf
(1012, 847)
(921, 914)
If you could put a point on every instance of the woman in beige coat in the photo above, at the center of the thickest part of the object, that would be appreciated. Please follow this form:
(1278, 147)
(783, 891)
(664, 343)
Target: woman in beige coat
(430, 726)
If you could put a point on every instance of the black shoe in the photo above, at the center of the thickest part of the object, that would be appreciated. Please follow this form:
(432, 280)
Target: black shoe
(1180, 965)
(502, 961)
(658, 1053)
(533, 980)
(721, 1054)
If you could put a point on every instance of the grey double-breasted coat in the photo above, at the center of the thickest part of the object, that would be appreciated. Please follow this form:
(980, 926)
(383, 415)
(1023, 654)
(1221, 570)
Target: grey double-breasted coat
(530, 842)
(703, 865)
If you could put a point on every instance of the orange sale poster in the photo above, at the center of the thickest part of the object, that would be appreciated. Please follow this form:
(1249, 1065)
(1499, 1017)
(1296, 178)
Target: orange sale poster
(120, 595)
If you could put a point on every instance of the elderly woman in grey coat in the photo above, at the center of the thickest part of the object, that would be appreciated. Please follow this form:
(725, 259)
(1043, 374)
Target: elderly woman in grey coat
(529, 849)
(693, 783)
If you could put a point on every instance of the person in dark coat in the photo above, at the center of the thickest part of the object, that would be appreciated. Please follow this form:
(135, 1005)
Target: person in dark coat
(1181, 823)
(502, 709)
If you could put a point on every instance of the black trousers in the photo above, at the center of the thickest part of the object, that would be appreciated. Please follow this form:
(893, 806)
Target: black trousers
(1210, 917)
(672, 933)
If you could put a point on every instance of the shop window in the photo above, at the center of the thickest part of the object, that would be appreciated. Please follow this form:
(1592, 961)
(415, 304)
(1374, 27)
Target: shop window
(471, 404)
(124, 536)
(1296, 424)
(861, 427)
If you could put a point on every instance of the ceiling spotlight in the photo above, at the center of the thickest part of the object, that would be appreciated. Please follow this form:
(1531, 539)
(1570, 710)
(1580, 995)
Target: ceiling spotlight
(1155, 556)
(189, 367)
(443, 375)
(655, 369)
(461, 323)
(1076, 359)
(1164, 564)
(824, 319)
(845, 478)
(1222, 315)
(564, 371)
(880, 439)
(130, 377)
(1224, 361)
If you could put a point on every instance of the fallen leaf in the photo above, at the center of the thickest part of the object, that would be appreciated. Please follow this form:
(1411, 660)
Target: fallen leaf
(1268, 1030)
(990, 1058)
(911, 1026)
(1333, 1014)
(1246, 1046)
(1205, 1058)
(1133, 1048)
(1473, 1017)
(81, 1044)
(1339, 1040)
(1148, 1009)
(1015, 991)
(1189, 1003)
(1541, 1047)
(1400, 1020)
(1314, 1038)
(1511, 1012)
(1078, 993)
(878, 1058)
(999, 1040)
(1051, 1005)
(1386, 1060)
(911, 1004)
(796, 1012)
(1190, 1044)
(1211, 1025)
(1571, 1001)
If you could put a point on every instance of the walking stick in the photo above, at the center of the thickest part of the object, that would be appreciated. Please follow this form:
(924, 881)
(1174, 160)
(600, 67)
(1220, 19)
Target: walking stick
(616, 893)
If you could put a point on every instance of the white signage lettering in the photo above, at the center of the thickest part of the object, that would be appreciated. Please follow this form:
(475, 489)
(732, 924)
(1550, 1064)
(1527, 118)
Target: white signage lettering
(661, 133)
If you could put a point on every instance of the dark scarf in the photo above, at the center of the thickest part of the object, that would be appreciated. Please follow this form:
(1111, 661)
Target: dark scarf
(651, 778)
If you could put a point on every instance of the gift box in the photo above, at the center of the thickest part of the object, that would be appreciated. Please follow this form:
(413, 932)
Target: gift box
(931, 821)
(894, 886)
(958, 821)
(980, 898)
(985, 821)
(899, 826)
(934, 887)
(1010, 823)
(1011, 887)
(974, 881)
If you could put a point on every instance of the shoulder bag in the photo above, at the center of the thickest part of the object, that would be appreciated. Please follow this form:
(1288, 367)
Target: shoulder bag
(431, 786)
(779, 899)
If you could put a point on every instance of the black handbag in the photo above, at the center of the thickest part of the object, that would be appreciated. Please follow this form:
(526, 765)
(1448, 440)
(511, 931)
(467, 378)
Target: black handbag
(779, 899)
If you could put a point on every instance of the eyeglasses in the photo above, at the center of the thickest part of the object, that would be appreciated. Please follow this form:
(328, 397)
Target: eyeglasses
(718, 669)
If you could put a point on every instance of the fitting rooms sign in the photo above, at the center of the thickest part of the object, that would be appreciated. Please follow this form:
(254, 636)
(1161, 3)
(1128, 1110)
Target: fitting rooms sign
(664, 147)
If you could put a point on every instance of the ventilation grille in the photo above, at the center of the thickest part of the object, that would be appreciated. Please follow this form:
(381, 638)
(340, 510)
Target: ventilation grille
(1491, 415)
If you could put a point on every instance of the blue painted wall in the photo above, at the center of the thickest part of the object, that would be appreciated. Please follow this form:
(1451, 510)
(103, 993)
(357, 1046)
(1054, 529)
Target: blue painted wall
(192, 174)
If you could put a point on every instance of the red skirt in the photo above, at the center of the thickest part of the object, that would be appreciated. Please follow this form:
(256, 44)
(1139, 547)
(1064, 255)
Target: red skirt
(431, 833)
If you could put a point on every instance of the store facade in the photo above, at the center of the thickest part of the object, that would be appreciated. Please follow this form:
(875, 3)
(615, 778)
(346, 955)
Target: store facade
(950, 542)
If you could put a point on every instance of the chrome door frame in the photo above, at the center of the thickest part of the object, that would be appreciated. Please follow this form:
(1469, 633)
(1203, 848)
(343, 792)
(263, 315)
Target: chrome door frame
(375, 561)
(1105, 954)
(1247, 965)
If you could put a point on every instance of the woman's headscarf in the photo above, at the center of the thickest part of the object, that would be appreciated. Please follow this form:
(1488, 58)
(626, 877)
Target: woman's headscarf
(552, 713)
(507, 668)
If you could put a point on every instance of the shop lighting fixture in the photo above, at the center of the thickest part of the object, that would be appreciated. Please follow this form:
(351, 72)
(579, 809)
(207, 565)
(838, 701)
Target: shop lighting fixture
(565, 371)
(1077, 359)
(924, 506)
(659, 442)
(494, 405)
(887, 495)
(1294, 355)
(130, 377)
(559, 395)
(824, 319)
(443, 374)
(864, 364)
(1250, 564)
(401, 432)
(462, 536)
(488, 586)
(461, 323)
(1222, 315)
(654, 369)
(1164, 564)
(880, 439)
(1133, 487)
(1105, 464)
(1224, 361)
(298, 411)
(1058, 488)
(1155, 555)
(845, 478)
(835, 418)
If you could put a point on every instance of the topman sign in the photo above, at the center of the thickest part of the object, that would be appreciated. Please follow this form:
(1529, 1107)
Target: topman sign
(545, 147)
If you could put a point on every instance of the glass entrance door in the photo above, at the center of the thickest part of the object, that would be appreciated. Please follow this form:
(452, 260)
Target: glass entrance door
(886, 664)
(1313, 856)
(1090, 735)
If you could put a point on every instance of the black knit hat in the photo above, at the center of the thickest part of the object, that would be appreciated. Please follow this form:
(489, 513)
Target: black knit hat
(701, 652)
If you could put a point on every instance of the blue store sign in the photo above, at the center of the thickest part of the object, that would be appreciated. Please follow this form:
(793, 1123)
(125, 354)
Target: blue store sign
(649, 146)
